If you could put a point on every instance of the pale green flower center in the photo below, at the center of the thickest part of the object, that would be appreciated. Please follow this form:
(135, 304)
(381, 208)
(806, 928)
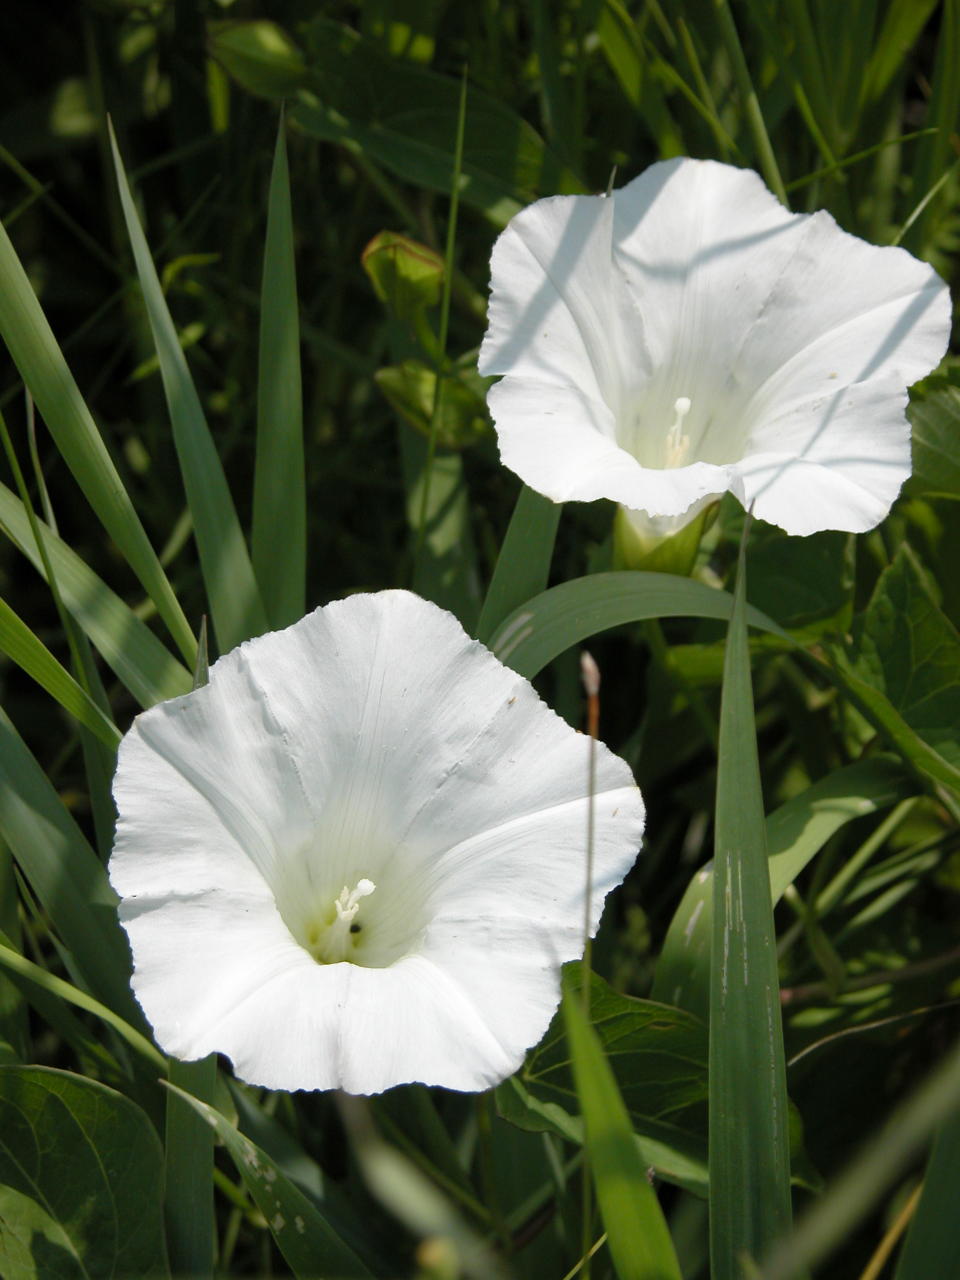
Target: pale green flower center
(337, 932)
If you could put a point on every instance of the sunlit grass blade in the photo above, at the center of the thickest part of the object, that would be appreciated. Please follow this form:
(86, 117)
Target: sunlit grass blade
(64, 873)
(45, 374)
(126, 644)
(18, 642)
(749, 1148)
(279, 536)
(543, 627)
(932, 1246)
(637, 1234)
(59, 990)
(524, 561)
(235, 604)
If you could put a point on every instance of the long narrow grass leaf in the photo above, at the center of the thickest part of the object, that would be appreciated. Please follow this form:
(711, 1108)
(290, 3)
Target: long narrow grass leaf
(45, 374)
(126, 644)
(524, 561)
(279, 535)
(61, 990)
(637, 1234)
(543, 627)
(18, 642)
(188, 1169)
(235, 604)
(749, 1147)
(309, 1245)
(65, 874)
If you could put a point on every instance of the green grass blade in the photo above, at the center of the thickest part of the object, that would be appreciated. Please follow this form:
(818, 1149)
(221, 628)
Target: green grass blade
(542, 628)
(796, 832)
(750, 104)
(235, 604)
(279, 537)
(524, 561)
(932, 1246)
(134, 653)
(59, 990)
(749, 1147)
(637, 1234)
(45, 374)
(64, 873)
(18, 642)
(188, 1169)
(308, 1243)
(935, 153)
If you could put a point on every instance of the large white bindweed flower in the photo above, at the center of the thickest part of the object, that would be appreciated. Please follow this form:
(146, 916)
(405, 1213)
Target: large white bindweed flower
(356, 857)
(687, 336)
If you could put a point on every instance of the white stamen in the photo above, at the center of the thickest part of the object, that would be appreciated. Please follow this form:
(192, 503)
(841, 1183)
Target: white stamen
(336, 942)
(678, 443)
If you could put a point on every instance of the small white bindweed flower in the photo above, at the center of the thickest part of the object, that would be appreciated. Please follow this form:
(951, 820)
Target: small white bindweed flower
(356, 857)
(688, 335)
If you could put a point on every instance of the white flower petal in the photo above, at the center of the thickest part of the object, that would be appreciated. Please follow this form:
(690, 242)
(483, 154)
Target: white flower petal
(704, 331)
(369, 785)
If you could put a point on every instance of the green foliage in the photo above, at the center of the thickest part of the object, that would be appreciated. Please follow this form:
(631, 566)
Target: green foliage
(749, 1143)
(903, 669)
(637, 1234)
(79, 1180)
(290, 368)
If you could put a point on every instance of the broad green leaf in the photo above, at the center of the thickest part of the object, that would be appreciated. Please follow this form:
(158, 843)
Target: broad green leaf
(259, 55)
(235, 604)
(304, 1237)
(48, 379)
(935, 417)
(932, 1246)
(796, 832)
(637, 1234)
(659, 1057)
(79, 1180)
(64, 873)
(749, 1146)
(18, 642)
(279, 536)
(903, 670)
(404, 117)
(523, 565)
(126, 644)
(806, 584)
(676, 1155)
(542, 628)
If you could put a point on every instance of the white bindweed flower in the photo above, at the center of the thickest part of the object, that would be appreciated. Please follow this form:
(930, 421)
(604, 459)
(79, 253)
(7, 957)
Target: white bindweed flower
(356, 857)
(687, 336)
